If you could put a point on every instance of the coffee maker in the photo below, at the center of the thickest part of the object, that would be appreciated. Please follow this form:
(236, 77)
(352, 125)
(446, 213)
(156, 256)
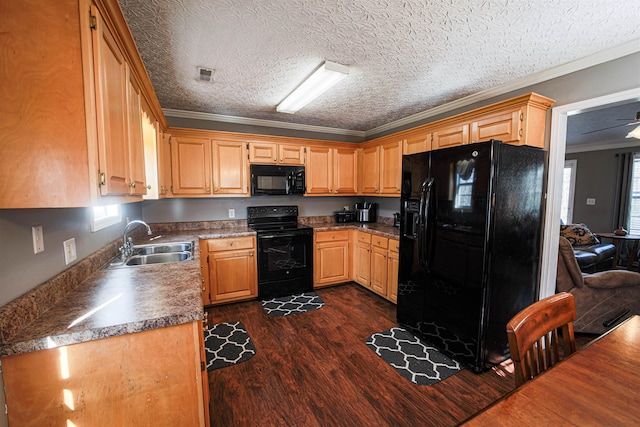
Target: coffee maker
(366, 212)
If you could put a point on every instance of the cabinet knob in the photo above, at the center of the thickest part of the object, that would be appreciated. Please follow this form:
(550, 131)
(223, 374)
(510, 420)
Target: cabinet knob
(282, 159)
(215, 190)
(520, 133)
(203, 289)
(208, 190)
(275, 159)
(148, 187)
(250, 253)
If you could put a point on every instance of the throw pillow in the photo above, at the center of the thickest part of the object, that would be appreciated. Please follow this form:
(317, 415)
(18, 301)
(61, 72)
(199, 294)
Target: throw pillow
(578, 235)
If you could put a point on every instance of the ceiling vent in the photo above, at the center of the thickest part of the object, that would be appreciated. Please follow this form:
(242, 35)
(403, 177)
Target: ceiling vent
(205, 74)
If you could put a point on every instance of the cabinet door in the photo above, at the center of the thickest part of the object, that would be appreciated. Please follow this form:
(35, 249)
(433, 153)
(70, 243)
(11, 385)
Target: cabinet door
(370, 170)
(393, 262)
(504, 126)
(290, 154)
(190, 166)
(263, 152)
(450, 136)
(230, 174)
(345, 163)
(164, 165)
(232, 275)
(319, 170)
(417, 143)
(111, 105)
(390, 167)
(331, 263)
(379, 270)
(137, 176)
(363, 263)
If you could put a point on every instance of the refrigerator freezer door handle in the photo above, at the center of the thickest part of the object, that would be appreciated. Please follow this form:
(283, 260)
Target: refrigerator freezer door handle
(423, 222)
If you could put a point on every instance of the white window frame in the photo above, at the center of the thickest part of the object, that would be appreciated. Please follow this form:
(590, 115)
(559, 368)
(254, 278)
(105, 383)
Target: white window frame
(573, 165)
(634, 197)
(105, 216)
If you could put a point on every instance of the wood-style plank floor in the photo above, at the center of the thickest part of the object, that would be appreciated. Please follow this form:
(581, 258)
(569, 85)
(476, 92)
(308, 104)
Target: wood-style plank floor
(314, 369)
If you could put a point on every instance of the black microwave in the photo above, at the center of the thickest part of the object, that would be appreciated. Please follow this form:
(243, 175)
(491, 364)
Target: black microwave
(277, 180)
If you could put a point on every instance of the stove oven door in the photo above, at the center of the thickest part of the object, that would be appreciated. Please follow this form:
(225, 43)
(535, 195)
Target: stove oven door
(285, 263)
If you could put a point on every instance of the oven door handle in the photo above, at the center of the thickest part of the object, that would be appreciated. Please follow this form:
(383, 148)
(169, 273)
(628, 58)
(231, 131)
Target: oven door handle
(275, 236)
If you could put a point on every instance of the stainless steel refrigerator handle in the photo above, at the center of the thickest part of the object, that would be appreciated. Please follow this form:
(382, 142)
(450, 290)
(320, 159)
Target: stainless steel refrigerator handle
(423, 217)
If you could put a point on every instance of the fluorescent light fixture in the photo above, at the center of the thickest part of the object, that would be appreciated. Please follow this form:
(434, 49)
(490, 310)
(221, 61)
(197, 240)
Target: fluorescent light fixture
(319, 82)
(634, 133)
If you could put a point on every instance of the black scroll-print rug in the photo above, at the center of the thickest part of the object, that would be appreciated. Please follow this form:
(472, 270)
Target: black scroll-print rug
(413, 359)
(292, 304)
(227, 344)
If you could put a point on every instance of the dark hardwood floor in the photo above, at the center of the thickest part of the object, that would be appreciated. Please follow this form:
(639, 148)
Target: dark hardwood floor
(314, 369)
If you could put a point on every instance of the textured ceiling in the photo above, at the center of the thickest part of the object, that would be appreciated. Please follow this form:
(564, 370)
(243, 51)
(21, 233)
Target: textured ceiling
(405, 56)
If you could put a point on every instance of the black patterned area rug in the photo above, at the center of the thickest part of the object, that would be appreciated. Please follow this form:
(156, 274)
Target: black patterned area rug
(227, 344)
(413, 359)
(292, 304)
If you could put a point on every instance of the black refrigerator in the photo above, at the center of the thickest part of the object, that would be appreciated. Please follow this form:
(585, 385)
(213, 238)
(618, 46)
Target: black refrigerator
(470, 245)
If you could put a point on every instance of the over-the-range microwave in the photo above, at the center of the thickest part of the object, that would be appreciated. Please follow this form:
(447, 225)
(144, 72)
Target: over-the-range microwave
(277, 180)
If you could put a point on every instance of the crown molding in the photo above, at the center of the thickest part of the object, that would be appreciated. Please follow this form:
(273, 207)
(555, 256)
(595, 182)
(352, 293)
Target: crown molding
(259, 122)
(616, 52)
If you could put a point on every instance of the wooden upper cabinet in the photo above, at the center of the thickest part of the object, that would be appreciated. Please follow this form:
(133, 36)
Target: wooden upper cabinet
(417, 143)
(276, 153)
(369, 168)
(190, 166)
(345, 166)
(319, 170)
(164, 165)
(230, 168)
(450, 136)
(390, 167)
(111, 102)
(137, 175)
(504, 126)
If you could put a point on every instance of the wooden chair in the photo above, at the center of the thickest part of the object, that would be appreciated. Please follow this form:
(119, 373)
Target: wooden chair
(533, 335)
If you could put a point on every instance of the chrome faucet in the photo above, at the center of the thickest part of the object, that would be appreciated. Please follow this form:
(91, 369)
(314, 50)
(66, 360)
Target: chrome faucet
(127, 246)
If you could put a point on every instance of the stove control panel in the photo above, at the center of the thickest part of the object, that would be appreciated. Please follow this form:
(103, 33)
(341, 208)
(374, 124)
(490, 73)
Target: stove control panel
(271, 211)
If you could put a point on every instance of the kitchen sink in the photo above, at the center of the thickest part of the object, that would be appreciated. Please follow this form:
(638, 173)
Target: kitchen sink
(160, 258)
(161, 248)
(159, 253)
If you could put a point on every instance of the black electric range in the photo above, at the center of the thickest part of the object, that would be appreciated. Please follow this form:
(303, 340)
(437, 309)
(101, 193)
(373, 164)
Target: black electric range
(285, 251)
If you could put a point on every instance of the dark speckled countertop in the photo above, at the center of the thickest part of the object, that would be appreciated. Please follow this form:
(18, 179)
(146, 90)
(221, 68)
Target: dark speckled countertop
(122, 301)
(127, 300)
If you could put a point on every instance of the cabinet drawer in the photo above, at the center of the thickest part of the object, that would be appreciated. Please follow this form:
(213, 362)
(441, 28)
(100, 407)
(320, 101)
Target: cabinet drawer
(214, 245)
(379, 242)
(394, 245)
(332, 236)
(363, 237)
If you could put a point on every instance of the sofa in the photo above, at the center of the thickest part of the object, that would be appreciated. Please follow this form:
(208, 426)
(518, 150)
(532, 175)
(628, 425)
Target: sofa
(592, 256)
(603, 299)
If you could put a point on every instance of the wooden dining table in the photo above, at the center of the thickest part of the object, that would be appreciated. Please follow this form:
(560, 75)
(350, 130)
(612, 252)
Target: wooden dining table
(599, 385)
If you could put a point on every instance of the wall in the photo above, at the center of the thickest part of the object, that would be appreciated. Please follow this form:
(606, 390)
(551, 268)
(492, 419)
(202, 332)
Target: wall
(595, 178)
(183, 210)
(22, 270)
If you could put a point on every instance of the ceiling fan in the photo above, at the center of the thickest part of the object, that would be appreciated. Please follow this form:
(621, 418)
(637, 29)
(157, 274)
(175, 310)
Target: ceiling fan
(635, 133)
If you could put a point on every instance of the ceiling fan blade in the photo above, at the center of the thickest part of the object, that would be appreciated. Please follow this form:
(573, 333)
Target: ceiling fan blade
(610, 127)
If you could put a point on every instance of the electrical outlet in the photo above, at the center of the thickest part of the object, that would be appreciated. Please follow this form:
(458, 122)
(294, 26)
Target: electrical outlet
(232, 213)
(38, 239)
(591, 201)
(70, 254)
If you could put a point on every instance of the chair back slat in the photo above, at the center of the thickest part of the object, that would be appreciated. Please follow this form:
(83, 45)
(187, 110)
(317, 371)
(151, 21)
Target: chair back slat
(534, 338)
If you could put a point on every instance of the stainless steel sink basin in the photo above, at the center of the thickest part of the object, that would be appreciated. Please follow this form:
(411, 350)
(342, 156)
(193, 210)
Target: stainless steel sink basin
(160, 258)
(158, 253)
(161, 248)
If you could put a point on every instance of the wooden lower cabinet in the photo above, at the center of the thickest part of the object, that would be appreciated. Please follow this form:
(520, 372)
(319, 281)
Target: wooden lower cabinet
(125, 380)
(229, 269)
(362, 259)
(393, 262)
(379, 264)
(332, 258)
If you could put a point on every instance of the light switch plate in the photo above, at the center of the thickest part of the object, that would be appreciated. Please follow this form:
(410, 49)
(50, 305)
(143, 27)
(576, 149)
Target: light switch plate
(70, 254)
(232, 213)
(38, 239)
(591, 201)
